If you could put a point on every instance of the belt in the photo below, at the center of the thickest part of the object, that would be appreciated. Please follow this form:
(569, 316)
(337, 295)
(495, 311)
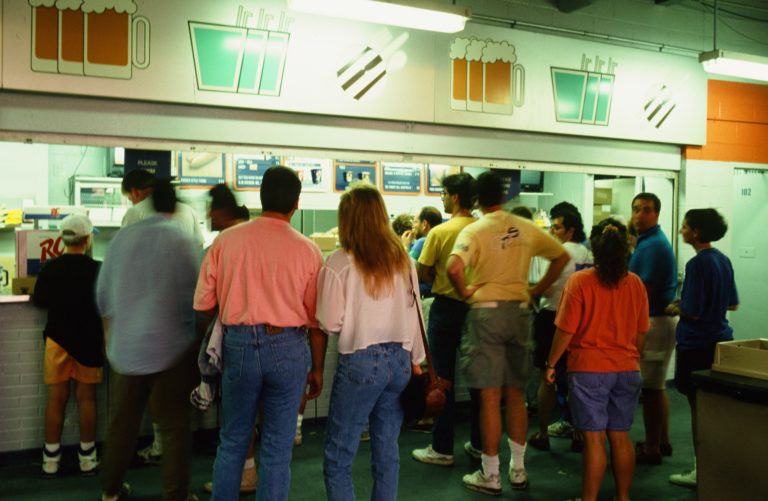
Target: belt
(495, 304)
(273, 329)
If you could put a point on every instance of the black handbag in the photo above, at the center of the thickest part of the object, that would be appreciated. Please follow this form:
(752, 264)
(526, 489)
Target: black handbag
(426, 393)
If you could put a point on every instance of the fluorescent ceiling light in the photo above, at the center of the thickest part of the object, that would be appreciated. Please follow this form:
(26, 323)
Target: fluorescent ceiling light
(419, 15)
(734, 64)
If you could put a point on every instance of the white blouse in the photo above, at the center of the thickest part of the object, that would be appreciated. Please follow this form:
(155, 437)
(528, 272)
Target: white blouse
(345, 308)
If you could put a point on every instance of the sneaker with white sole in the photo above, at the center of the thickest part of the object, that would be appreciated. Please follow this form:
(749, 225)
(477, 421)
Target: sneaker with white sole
(125, 491)
(472, 451)
(51, 462)
(518, 478)
(480, 482)
(430, 456)
(152, 454)
(560, 429)
(687, 479)
(88, 461)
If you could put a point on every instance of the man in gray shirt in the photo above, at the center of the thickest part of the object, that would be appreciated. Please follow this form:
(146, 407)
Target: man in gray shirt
(144, 294)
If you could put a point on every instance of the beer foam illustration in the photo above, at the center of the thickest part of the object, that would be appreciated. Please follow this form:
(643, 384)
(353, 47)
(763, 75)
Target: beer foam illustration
(41, 3)
(68, 4)
(499, 51)
(475, 50)
(459, 48)
(99, 6)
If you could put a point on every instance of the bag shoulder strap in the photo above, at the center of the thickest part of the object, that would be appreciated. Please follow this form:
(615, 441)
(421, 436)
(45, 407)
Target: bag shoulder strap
(417, 305)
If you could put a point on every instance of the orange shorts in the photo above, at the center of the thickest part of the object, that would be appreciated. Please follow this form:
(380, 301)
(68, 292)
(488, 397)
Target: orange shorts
(59, 366)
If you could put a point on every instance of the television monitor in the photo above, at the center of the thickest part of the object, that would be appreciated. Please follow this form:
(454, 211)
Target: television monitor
(531, 181)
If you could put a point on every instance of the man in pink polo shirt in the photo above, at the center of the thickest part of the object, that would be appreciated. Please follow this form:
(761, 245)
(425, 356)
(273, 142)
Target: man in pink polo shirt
(262, 275)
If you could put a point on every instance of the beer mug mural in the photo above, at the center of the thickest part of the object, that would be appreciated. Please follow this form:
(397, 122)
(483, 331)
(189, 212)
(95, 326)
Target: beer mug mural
(99, 38)
(484, 76)
(238, 59)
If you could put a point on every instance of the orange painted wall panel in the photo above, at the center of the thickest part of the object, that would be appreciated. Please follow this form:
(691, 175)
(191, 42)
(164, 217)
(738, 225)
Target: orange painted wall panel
(737, 102)
(737, 124)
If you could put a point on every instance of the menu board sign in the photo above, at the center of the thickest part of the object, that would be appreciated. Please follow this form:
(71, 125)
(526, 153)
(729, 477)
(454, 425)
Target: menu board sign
(511, 180)
(401, 178)
(200, 168)
(314, 173)
(435, 175)
(156, 162)
(249, 170)
(346, 172)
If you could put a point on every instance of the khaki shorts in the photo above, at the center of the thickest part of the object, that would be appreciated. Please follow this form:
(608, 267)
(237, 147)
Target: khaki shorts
(59, 366)
(496, 346)
(657, 352)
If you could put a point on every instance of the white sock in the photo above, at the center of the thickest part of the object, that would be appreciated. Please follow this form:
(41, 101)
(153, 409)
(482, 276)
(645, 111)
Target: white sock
(299, 419)
(490, 465)
(156, 432)
(249, 463)
(84, 446)
(52, 447)
(517, 461)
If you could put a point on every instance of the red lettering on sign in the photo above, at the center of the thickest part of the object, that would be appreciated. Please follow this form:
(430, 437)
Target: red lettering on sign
(50, 249)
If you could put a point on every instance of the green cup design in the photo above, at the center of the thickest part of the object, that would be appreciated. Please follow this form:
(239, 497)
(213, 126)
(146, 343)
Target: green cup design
(234, 59)
(582, 96)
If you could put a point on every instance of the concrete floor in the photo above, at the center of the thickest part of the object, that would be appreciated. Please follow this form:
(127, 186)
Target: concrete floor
(554, 475)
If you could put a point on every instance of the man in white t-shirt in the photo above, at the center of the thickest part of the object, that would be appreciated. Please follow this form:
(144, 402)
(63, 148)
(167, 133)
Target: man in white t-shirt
(568, 228)
(137, 186)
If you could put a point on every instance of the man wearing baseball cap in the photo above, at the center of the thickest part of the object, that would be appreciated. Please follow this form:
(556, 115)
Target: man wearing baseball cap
(74, 342)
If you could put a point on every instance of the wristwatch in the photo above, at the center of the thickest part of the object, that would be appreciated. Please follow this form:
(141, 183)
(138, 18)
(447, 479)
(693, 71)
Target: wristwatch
(546, 364)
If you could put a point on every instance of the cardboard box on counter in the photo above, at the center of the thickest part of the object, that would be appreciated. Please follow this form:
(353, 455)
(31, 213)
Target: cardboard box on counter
(325, 242)
(25, 285)
(744, 358)
(603, 196)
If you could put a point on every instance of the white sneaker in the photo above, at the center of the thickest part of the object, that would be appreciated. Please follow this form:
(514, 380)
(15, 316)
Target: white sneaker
(519, 478)
(480, 482)
(152, 454)
(560, 429)
(687, 479)
(429, 456)
(51, 462)
(471, 451)
(88, 461)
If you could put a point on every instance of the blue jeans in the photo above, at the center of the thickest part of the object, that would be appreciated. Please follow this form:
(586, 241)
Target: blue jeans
(366, 389)
(446, 320)
(271, 368)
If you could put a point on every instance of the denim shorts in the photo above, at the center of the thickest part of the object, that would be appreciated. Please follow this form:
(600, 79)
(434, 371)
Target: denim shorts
(603, 401)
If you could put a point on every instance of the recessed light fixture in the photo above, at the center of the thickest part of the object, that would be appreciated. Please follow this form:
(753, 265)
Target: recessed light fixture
(415, 14)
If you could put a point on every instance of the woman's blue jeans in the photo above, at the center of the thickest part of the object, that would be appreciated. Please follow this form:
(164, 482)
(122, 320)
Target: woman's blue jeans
(271, 368)
(366, 389)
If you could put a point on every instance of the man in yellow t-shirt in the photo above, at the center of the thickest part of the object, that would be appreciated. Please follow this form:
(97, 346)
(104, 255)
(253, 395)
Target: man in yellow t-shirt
(495, 349)
(446, 315)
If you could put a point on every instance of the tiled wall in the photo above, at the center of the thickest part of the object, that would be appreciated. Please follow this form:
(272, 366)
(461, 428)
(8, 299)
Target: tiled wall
(23, 394)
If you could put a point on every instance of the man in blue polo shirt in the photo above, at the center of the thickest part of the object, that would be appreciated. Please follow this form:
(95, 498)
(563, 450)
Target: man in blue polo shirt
(654, 261)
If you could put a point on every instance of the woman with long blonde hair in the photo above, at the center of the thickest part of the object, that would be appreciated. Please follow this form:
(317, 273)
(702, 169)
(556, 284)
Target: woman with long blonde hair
(367, 296)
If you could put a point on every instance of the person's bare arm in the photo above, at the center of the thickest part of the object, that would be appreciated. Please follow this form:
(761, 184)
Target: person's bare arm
(318, 345)
(425, 273)
(555, 268)
(559, 345)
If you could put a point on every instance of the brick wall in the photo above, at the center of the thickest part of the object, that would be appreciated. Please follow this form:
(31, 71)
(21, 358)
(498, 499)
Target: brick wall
(23, 394)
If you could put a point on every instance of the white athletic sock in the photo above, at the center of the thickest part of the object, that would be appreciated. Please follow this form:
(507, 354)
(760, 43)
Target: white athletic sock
(249, 463)
(490, 464)
(84, 446)
(517, 461)
(156, 432)
(52, 447)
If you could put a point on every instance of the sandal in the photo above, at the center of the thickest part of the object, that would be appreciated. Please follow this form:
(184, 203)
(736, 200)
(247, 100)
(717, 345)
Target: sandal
(537, 441)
